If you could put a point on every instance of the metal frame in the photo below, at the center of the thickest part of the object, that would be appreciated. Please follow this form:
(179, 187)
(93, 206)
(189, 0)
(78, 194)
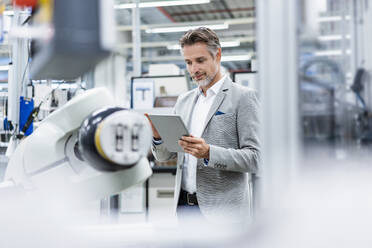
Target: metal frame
(136, 36)
(19, 71)
(278, 80)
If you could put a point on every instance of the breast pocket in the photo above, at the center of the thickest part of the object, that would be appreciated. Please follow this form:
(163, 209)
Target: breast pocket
(221, 130)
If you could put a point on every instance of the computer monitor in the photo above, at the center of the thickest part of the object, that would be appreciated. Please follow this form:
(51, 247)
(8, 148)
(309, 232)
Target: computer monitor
(248, 79)
(144, 90)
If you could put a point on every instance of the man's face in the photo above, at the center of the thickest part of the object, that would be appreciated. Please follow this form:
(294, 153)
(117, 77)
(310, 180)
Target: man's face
(201, 65)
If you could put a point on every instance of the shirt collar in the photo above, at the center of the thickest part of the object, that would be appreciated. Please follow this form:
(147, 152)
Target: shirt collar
(216, 87)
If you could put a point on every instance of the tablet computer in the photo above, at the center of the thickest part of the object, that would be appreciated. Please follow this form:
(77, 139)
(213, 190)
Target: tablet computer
(171, 128)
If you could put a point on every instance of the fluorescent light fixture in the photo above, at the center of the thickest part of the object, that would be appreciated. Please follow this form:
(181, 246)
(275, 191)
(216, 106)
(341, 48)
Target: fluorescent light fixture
(331, 53)
(160, 4)
(173, 47)
(332, 37)
(34, 32)
(186, 28)
(4, 67)
(223, 44)
(230, 43)
(332, 18)
(235, 58)
(9, 12)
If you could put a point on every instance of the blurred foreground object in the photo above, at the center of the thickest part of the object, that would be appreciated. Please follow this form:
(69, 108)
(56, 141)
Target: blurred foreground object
(77, 43)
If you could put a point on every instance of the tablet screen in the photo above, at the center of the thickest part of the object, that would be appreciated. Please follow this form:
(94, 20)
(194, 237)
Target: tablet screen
(171, 128)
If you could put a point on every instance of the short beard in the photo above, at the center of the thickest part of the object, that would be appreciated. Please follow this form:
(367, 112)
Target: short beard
(203, 83)
(206, 81)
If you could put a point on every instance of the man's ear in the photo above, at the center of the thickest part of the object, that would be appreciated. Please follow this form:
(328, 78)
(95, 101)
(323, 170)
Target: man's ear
(219, 54)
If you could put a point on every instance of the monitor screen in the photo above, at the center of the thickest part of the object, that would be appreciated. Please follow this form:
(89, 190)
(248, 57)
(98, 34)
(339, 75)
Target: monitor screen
(144, 90)
(248, 79)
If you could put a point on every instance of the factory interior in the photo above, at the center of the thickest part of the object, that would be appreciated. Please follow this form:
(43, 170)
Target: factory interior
(77, 162)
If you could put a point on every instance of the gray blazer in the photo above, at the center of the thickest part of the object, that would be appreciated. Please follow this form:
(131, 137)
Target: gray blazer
(231, 130)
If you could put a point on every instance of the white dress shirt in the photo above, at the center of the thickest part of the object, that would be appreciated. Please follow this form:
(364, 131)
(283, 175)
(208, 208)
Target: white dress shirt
(199, 115)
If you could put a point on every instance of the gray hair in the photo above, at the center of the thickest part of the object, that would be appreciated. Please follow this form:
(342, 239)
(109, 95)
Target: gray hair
(204, 35)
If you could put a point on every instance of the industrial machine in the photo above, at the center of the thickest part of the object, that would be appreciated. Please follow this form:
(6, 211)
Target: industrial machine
(85, 150)
(329, 118)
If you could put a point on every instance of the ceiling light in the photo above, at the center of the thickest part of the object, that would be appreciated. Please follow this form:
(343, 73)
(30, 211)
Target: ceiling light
(186, 28)
(332, 18)
(236, 58)
(230, 43)
(173, 47)
(8, 12)
(332, 37)
(331, 53)
(160, 4)
(223, 44)
(4, 67)
(11, 12)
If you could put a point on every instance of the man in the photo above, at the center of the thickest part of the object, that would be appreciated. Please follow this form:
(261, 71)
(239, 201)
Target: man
(222, 118)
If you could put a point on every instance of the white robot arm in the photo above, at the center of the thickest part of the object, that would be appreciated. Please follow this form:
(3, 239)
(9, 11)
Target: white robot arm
(86, 150)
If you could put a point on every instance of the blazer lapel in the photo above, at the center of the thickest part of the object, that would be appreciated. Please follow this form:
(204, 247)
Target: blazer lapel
(217, 101)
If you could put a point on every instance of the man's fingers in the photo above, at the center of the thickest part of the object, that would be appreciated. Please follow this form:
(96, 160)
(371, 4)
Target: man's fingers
(183, 143)
(147, 116)
(191, 139)
(190, 150)
(154, 131)
(195, 146)
(189, 145)
(187, 150)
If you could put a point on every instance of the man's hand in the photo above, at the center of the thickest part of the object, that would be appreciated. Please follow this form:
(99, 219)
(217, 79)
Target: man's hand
(154, 131)
(194, 146)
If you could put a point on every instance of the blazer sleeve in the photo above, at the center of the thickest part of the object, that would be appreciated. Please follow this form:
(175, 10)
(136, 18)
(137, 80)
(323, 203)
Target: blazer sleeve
(246, 158)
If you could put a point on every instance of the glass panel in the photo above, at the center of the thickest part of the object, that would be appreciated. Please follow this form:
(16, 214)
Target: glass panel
(334, 119)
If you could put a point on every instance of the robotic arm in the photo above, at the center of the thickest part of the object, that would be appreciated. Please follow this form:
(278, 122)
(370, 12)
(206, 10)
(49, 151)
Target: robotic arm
(84, 150)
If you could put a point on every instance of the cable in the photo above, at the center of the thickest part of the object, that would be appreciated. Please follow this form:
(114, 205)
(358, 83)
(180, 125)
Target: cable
(27, 65)
(35, 112)
(361, 101)
(31, 118)
(26, 21)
